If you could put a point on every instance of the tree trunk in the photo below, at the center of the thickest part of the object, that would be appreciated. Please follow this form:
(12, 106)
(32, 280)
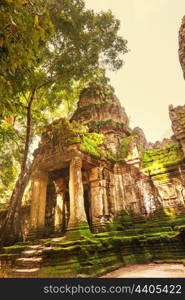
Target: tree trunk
(11, 230)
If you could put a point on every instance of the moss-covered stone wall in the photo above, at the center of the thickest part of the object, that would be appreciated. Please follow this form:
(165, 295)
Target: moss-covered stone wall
(160, 239)
(164, 159)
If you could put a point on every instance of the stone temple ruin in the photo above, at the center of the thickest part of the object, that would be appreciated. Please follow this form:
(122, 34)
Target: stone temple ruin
(102, 196)
(92, 169)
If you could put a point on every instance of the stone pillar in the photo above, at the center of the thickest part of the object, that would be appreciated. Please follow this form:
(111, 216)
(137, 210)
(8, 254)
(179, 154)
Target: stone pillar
(112, 195)
(130, 185)
(117, 192)
(78, 225)
(96, 205)
(99, 199)
(60, 205)
(38, 203)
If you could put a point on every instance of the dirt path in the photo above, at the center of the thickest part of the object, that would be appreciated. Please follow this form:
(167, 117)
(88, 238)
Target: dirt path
(149, 271)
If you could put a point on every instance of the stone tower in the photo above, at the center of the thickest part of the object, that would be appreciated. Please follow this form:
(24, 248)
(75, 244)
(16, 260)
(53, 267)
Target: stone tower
(101, 112)
(182, 45)
(92, 169)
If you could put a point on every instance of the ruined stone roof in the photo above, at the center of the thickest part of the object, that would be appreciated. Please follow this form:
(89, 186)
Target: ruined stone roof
(182, 45)
(99, 127)
(100, 110)
(99, 106)
(162, 159)
(177, 116)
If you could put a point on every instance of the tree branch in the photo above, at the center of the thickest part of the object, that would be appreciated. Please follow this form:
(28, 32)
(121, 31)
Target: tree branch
(28, 129)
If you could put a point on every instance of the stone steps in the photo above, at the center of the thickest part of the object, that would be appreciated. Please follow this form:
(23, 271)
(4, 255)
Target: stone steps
(33, 270)
(35, 247)
(28, 264)
(31, 253)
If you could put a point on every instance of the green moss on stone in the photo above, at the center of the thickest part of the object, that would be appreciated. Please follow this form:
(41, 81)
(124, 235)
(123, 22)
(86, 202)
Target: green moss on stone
(14, 249)
(108, 124)
(179, 228)
(124, 149)
(125, 146)
(91, 143)
(147, 239)
(81, 231)
(162, 159)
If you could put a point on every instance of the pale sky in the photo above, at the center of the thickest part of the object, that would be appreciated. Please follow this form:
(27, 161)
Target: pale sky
(151, 77)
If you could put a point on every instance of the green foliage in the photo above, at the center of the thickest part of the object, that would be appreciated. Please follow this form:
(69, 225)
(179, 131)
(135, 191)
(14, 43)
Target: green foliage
(9, 157)
(66, 132)
(124, 150)
(111, 156)
(125, 145)
(63, 131)
(87, 38)
(163, 158)
(91, 143)
(24, 29)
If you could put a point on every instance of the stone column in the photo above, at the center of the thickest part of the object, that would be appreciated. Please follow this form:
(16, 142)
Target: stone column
(38, 203)
(99, 200)
(117, 191)
(96, 205)
(78, 225)
(60, 205)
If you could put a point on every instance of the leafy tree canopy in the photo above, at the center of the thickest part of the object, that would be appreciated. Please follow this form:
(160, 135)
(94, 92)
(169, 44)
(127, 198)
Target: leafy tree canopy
(49, 51)
(25, 27)
(61, 40)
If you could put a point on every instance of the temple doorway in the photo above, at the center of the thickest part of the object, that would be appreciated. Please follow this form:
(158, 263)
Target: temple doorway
(57, 202)
(87, 204)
